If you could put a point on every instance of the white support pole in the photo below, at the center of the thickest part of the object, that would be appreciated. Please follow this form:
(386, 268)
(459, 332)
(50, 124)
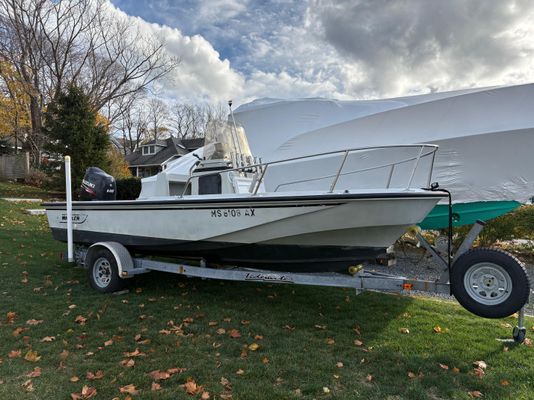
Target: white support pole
(69, 209)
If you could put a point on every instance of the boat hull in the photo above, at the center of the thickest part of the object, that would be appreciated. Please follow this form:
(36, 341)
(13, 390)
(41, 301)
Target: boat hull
(292, 233)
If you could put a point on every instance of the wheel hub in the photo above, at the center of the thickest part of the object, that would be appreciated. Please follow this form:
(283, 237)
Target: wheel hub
(488, 283)
(102, 272)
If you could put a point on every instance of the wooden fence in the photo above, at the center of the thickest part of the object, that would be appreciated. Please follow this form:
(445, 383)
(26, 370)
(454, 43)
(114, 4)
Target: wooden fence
(14, 167)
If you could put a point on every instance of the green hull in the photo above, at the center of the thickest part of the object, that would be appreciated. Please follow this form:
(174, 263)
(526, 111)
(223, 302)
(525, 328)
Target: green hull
(466, 213)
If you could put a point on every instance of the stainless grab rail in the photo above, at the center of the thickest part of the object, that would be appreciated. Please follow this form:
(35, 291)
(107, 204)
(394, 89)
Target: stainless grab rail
(263, 166)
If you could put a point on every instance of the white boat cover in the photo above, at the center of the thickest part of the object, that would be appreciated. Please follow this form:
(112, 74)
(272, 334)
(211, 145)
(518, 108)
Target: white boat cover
(486, 136)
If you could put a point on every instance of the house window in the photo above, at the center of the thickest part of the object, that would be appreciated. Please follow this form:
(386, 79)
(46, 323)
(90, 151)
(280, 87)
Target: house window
(148, 150)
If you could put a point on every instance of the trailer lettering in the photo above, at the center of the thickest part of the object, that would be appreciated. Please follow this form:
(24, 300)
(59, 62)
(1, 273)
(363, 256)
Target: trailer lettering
(259, 276)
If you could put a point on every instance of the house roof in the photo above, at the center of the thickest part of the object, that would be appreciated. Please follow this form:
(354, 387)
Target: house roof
(173, 148)
(158, 142)
(193, 144)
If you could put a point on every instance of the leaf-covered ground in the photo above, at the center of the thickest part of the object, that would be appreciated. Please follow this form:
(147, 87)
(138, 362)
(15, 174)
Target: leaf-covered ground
(11, 189)
(177, 338)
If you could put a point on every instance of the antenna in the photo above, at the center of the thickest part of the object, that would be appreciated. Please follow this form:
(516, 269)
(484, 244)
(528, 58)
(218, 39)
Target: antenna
(234, 133)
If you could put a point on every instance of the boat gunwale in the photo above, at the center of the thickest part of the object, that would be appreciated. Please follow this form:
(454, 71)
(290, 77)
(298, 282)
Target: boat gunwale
(254, 200)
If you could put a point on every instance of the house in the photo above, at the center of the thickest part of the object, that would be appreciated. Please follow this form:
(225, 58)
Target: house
(152, 157)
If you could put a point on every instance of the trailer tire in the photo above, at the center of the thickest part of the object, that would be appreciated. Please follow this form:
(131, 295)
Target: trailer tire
(490, 283)
(103, 273)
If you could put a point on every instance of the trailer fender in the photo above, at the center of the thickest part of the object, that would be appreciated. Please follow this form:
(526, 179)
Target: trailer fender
(124, 260)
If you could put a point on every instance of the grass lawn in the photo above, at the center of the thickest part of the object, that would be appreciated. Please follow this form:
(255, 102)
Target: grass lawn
(236, 340)
(10, 189)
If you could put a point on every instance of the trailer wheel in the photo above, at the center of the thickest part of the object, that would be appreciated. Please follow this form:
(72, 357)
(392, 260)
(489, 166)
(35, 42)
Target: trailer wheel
(490, 283)
(519, 334)
(103, 273)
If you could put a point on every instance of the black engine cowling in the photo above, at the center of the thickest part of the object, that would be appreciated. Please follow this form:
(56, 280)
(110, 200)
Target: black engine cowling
(97, 185)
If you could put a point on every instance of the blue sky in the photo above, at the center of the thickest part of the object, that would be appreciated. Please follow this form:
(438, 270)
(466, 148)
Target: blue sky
(344, 49)
(234, 28)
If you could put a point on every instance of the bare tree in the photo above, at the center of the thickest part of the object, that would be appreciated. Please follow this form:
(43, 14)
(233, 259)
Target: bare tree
(158, 116)
(191, 121)
(55, 43)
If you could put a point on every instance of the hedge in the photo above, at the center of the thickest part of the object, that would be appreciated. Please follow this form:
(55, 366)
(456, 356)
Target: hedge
(128, 188)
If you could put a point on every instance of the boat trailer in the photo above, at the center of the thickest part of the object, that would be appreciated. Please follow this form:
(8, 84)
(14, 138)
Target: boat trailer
(109, 265)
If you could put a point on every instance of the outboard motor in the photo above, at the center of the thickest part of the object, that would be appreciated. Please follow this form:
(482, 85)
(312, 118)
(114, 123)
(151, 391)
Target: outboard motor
(97, 185)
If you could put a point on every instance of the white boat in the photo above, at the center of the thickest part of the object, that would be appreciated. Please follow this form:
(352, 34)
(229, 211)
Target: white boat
(216, 208)
(212, 207)
(485, 139)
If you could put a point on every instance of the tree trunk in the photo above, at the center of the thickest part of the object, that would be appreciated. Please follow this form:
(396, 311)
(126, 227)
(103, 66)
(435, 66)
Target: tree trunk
(36, 121)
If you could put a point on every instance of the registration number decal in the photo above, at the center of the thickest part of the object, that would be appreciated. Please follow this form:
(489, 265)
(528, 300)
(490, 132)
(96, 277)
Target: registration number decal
(233, 213)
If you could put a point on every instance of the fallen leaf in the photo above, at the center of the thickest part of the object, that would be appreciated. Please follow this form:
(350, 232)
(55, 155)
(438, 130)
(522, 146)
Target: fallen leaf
(234, 333)
(28, 385)
(265, 360)
(128, 363)
(34, 321)
(479, 372)
(220, 331)
(155, 386)
(205, 396)
(358, 342)
(456, 370)
(330, 341)
(135, 353)
(339, 364)
(94, 376)
(212, 323)
(108, 342)
(74, 379)
(173, 371)
(504, 382)
(14, 354)
(130, 389)
(158, 375)
(72, 306)
(404, 330)
(443, 366)
(369, 378)
(258, 337)
(527, 342)
(63, 355)
(475, 394)
(32, 356)
(480, 364)
(246, 322)
(47, 339)
(411, 375)
(289, 327)
(86, 393)
(191, 386)
(437, 329)
(18, 331)
(80, 319)
(326, 390)
(253, 346)
(225, 382)
(10, 317)
(322, 327)
(35, 373)
(240, 372)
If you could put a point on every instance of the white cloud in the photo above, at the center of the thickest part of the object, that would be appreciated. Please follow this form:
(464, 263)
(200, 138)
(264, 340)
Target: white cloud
(346, 48)
(201, 74)
(217, 11)
(410, 46)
